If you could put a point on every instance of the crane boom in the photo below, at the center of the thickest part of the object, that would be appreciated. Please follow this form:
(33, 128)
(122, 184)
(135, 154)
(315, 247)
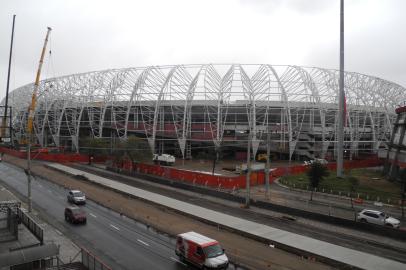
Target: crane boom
(35, 91)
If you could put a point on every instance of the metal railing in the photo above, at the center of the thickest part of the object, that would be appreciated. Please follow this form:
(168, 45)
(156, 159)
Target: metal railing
(92, 262)
(32, 226)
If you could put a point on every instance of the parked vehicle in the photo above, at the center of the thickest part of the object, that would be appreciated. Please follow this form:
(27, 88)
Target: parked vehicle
(319, 160)
(164, 159)
(201, 251)
(76, 197)
(254, 167)
(74, 214)
(377, 217)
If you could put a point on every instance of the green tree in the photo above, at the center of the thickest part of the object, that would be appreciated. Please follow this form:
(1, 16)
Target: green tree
(94, 146)
(137, 149)
(118, 152)
(316, 173)
(402, 176)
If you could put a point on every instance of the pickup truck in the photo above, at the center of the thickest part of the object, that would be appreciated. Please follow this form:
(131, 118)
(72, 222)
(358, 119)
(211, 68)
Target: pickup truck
(164, 159)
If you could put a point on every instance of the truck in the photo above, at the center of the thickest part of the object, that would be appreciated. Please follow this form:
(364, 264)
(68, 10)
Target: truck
(164, 159)
(318, 160)
(254, 167)
(200, 251)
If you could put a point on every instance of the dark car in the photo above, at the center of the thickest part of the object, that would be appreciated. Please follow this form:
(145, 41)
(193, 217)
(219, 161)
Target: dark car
(74, 214)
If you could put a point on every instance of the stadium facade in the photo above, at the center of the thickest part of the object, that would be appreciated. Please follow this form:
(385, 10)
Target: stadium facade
(188, 109)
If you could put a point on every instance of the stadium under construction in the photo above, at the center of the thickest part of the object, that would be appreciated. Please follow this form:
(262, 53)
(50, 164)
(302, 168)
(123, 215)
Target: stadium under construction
(189, 109)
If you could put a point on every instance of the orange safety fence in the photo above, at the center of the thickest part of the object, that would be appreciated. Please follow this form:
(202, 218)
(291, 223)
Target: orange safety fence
(197, 178)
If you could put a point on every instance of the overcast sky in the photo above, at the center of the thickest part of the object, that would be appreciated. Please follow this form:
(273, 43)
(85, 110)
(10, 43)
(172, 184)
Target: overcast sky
(97, 34)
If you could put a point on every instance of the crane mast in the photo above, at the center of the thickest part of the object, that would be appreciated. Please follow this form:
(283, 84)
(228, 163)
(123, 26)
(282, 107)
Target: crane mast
(31, 111)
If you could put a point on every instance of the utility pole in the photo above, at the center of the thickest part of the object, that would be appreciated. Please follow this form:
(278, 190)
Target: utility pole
(267, 167)
(30, 121)
(248, 179)
(340, 130)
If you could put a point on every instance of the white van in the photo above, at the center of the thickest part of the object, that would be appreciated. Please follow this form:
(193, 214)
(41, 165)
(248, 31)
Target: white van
(201, 251)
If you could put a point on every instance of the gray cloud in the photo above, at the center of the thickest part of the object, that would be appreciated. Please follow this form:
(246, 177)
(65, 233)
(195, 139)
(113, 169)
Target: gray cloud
(95, 35)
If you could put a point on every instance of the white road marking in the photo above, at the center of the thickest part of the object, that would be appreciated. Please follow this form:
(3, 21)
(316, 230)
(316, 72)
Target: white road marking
(176, 260)
(142, 242)
(40, 185)
(58, 232)
(115, 227)
(93, 215)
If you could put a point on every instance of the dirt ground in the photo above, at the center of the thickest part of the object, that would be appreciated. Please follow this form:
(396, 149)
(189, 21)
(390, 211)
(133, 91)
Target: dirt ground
(241, 250)
(223, 167)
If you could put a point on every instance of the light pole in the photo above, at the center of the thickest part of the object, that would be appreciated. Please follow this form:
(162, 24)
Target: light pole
(4, 123)
(340, 131)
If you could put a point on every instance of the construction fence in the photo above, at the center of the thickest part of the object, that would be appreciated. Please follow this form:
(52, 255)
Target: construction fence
(196, 178)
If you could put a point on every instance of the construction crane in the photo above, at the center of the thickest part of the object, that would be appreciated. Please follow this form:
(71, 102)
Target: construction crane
(31, 111)
(30, 121)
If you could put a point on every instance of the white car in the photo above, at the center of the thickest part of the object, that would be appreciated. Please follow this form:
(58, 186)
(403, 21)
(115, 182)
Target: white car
(318, 160)
(377, 217)
(76, 196)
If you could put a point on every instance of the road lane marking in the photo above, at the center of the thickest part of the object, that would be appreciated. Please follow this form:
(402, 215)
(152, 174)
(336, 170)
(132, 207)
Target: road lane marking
(58, 232)
(142, 242)
(93, 215)
(115, 227)
(176, 260)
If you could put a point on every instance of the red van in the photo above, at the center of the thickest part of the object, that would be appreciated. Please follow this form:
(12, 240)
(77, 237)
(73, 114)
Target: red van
(201, 251)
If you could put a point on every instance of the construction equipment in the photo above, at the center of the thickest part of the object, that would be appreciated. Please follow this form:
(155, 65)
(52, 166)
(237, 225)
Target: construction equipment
(31, 113)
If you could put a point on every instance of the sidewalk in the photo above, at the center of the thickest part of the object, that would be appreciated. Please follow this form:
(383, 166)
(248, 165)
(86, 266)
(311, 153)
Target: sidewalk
(67, 249)
(324, 203)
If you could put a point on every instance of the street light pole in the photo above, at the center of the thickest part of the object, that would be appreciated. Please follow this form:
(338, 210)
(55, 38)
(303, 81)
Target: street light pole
(4, 123)
(340, 130)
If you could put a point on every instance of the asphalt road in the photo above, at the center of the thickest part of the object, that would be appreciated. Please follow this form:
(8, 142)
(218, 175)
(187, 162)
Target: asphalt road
(120, 242)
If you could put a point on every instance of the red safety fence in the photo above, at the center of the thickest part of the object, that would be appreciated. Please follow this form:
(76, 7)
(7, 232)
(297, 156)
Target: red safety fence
(232, 182)
(198, 178)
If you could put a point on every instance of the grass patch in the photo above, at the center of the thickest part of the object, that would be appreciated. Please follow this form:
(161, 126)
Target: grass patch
(372, 185)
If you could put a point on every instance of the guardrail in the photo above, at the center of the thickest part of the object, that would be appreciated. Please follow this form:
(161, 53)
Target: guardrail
(32, 226)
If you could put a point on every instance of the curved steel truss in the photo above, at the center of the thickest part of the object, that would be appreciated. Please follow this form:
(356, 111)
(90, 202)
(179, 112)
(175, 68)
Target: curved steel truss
(184, 106)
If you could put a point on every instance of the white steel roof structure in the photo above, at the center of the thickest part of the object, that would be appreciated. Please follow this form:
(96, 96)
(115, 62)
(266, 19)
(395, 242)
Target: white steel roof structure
(189, 103)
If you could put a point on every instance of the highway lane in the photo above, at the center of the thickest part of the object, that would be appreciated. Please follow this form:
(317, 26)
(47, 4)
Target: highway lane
(121, 242)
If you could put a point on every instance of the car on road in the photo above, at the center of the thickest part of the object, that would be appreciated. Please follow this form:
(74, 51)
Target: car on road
(74, 214)
(377, 217)
(76, 197)
(201, 251)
